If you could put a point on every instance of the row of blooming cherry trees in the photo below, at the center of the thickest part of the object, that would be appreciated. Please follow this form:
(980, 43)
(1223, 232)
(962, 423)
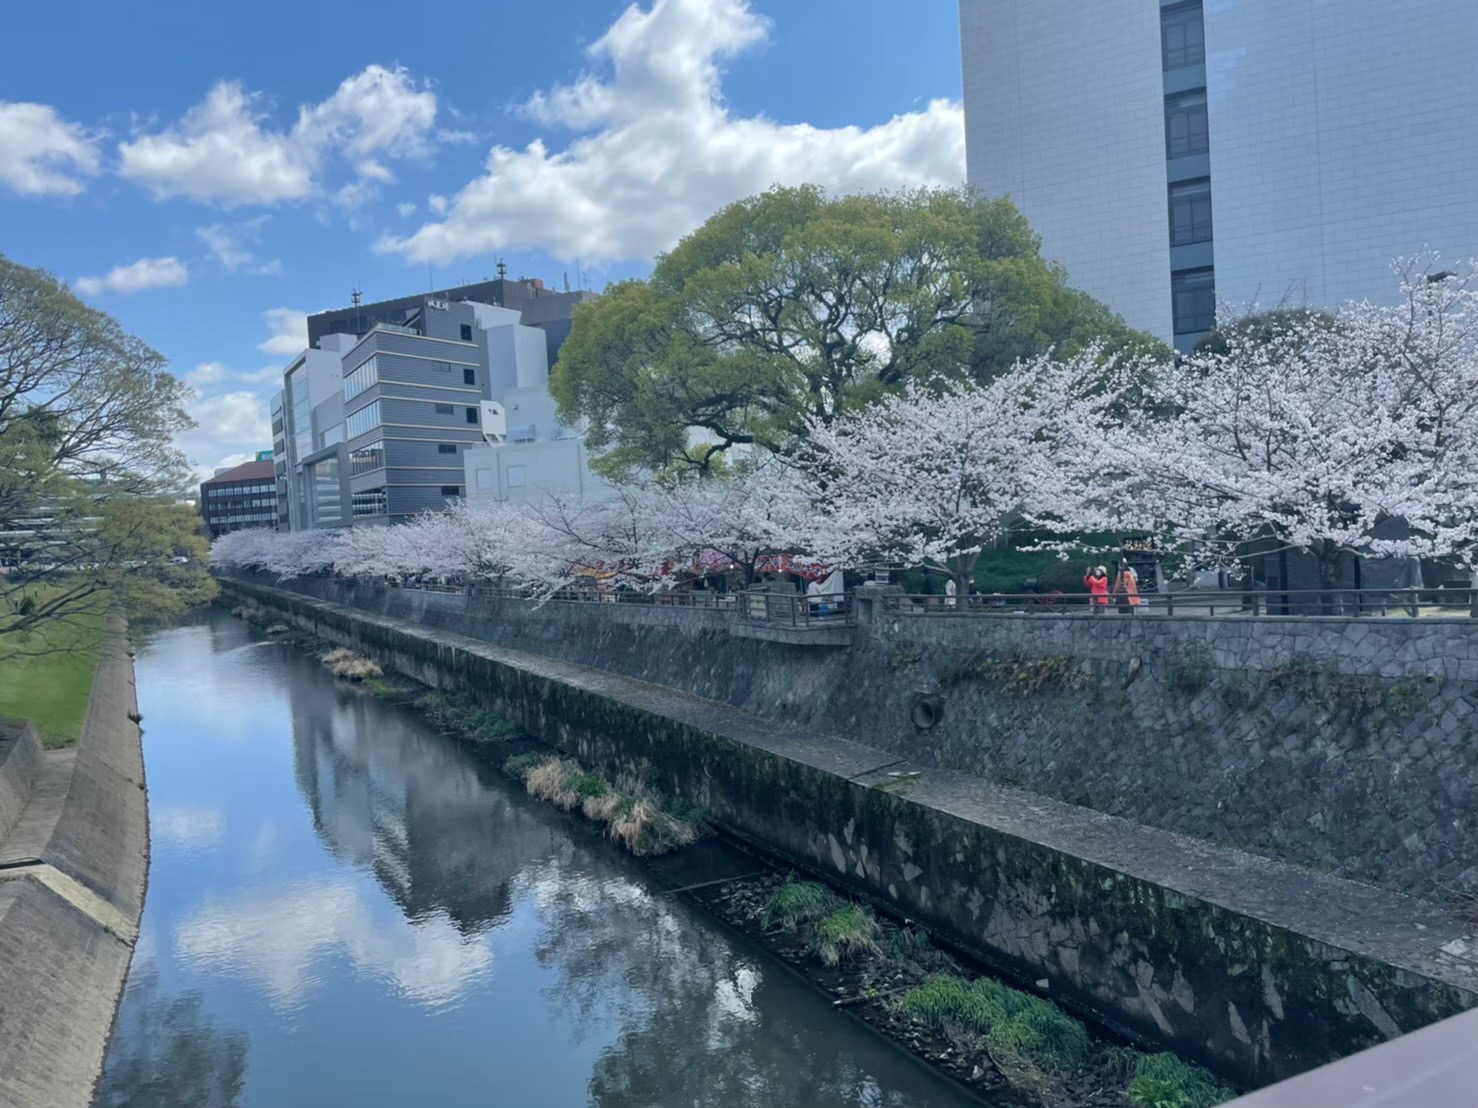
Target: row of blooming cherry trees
(1309, 434)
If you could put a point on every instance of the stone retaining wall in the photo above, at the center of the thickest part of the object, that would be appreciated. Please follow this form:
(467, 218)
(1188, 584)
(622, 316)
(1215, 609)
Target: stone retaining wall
(1256, 969)
(73, 867)
(1350, 745)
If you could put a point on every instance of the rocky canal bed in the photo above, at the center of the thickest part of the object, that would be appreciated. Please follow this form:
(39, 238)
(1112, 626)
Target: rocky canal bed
(889, 974)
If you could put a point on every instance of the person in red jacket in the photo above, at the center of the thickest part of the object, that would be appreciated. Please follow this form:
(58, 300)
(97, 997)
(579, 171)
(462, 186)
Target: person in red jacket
(1097, 584)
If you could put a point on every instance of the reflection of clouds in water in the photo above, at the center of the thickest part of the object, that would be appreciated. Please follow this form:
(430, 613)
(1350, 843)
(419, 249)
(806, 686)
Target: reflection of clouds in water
(187, 828)
(263, 847)
(283, 942)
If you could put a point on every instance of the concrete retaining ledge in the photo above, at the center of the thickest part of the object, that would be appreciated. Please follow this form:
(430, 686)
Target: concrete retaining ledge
(72, 874)
(20, 766)
(1258, 970)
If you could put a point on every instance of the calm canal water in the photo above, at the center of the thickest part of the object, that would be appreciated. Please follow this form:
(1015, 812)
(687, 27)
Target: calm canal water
(347, 908)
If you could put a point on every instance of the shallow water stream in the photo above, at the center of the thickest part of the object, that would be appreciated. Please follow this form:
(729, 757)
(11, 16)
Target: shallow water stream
(347, 908)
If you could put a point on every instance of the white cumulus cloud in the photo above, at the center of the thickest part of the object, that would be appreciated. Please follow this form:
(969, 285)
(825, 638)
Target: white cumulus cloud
(223, 151)
(146, 273)
(207, 373)
(41, 153)
(235, 245)
(289, 329)
(229, 428)
(656, 151)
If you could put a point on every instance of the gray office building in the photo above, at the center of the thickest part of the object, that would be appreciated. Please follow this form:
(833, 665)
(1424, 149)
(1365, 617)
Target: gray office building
(1178, 155)
(372, 425)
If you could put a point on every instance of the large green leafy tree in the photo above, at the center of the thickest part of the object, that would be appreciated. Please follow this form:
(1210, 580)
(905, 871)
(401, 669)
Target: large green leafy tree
(89, 480)
(793, 305)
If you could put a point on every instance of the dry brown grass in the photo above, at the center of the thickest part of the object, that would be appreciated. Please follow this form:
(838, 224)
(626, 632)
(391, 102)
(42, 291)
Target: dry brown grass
(278, 629)
(603, 808)
(551, 782)
(357, 669)
(633, 815)
(337, 655)
(644, 828)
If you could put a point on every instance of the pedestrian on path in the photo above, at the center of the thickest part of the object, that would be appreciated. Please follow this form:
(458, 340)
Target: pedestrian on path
(1126, 588)
(1097, 584)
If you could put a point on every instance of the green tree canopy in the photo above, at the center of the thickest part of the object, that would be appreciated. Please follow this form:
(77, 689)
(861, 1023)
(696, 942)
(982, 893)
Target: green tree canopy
(88, 475)
(794, 305)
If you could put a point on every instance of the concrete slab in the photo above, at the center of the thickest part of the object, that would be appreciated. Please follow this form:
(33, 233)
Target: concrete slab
(61, 974)
(20, 765)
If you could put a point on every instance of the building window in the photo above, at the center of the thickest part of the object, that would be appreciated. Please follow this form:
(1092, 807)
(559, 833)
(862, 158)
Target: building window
(367, 458)
(328, 504)
(1186, 130)
(446, 448)
(363, 421)
(451, 490)
(466, 332)
(442, 367)
(471, 415)
(1193, 301)
(443, 409)
(1183, 36)
(1190, 213)
(515, 477)
(370, 502)
(360, 378)
(469, 376)
(485, 482)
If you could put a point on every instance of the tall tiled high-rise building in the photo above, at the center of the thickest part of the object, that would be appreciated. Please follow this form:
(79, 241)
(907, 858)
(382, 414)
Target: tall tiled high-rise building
(1174, 155)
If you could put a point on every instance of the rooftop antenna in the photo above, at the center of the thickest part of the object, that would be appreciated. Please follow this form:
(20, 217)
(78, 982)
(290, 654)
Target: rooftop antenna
(502, 270)
(579, 281)
(355, 296)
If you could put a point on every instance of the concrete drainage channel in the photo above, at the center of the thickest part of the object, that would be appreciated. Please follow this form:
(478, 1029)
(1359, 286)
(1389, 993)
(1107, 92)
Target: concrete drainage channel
(1255, 969)
(73, 863)
(877, 970)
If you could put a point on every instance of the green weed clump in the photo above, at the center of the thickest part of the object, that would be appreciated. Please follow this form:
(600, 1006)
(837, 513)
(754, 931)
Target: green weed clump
(520, 764)
(1016, 1026)
(843, 935)
(463, 716)
(1164, 1081)
(796, 903)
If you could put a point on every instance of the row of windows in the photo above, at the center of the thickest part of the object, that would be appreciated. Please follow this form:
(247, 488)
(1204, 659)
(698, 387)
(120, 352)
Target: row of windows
(250, 517)
(360, 378)
(235, 504)
(371, 502)
(1188, 133)
(367, 458)
(363, 421)
(235, 490)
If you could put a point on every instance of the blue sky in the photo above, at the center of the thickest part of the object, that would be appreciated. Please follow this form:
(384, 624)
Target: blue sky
(207, 175)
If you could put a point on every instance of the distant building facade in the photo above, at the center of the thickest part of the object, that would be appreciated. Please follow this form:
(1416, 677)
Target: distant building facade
(242, 496)
(374, 424)
(1176, 154)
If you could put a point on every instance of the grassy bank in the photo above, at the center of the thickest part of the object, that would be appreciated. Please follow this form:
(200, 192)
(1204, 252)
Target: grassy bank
(46, 677)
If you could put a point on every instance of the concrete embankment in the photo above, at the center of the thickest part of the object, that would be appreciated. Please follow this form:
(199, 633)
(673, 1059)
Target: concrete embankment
(1256, 969)
(1349, 745)
(73, 864)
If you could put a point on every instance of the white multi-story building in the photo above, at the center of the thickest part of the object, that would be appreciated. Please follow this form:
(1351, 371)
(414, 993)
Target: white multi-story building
(1256, 153)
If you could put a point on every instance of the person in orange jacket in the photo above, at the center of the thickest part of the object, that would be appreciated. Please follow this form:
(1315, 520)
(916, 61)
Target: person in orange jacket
(1097, 584)
(1126, 588)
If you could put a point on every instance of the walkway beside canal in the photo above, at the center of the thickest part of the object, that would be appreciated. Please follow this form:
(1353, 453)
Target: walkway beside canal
(73, 863)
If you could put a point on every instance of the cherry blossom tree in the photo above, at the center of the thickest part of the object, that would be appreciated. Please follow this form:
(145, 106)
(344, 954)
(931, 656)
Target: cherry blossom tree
(1307, 439)
(936, 474)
